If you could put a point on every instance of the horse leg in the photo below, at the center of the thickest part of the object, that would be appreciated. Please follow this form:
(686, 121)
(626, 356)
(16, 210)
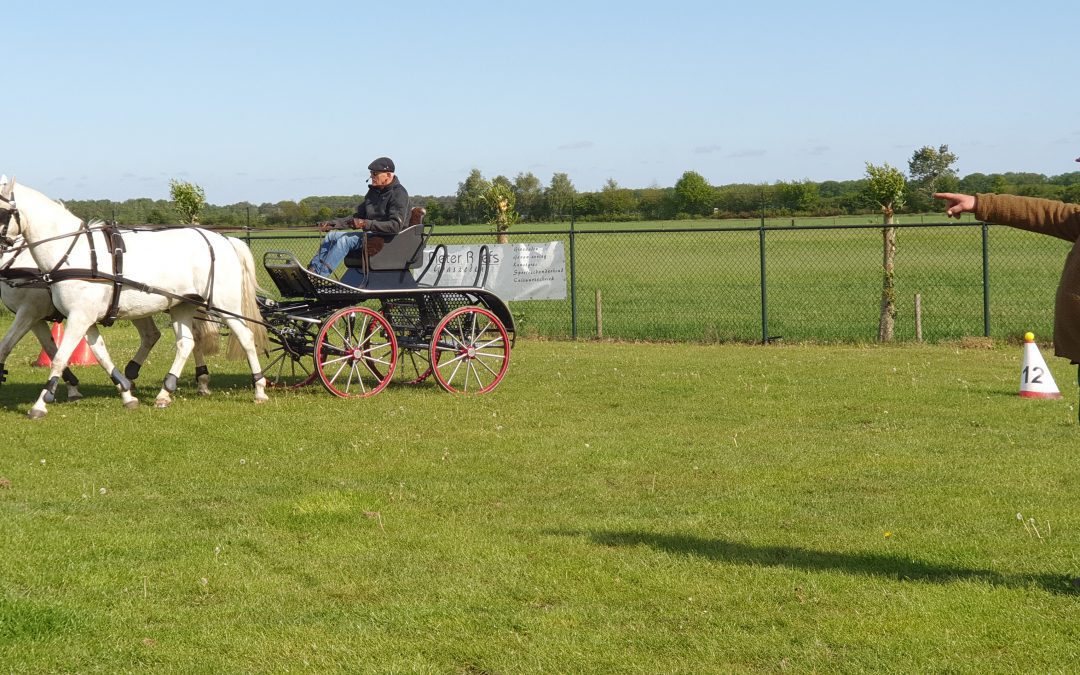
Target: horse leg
(185, 342)
(77, 327)
(148, 337)
(243, 335)
(123, 384)
(44, 335)
(202, 373)
(207, 343)
(29, 315)
(15, 332)
(26, 320)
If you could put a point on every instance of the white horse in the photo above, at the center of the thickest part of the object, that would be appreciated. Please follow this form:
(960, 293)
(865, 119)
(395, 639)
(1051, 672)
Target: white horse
(184, 271)
(33, 308)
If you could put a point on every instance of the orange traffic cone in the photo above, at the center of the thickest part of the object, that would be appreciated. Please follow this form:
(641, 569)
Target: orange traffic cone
(1035, 378)
(82, 356)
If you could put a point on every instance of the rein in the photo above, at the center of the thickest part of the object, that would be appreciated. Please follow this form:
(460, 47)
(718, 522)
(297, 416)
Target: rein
(18, 277)
(14, 251)
(113, 237)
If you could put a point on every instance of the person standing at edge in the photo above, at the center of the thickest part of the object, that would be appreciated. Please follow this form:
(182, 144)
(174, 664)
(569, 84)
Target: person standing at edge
(1047, 216)
(383, 211)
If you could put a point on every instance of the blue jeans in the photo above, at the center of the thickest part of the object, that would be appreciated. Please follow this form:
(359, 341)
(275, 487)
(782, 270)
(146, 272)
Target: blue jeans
(334, 247)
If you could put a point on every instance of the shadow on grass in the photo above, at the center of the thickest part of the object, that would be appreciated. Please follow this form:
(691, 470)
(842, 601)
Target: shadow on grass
(793, 557)
(19, 396)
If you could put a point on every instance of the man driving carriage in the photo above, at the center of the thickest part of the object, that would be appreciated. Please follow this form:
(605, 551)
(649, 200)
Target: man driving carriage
(384, 211)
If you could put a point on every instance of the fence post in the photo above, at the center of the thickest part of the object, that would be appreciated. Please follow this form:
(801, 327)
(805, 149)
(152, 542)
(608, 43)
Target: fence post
(573, 278)
(599, 315)
(918, 317)
(986, 280)
(764, 301)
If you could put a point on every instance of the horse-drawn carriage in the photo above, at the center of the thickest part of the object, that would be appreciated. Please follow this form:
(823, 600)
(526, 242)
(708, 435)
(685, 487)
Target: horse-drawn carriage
(380, 320)
(383, 322)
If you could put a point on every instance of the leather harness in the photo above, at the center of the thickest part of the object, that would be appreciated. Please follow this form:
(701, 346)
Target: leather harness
(114, 240)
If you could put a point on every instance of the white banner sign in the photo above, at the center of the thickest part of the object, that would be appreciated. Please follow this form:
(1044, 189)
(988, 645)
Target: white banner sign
(518, 271)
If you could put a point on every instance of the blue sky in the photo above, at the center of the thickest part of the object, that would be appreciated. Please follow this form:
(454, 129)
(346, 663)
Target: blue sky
(268, 101)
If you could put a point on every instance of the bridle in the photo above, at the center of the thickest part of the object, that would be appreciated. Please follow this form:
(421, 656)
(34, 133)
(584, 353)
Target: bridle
(5, 219)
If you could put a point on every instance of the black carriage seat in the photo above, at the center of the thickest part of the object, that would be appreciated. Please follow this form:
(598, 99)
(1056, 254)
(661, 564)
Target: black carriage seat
(390, 257)
(290, 277)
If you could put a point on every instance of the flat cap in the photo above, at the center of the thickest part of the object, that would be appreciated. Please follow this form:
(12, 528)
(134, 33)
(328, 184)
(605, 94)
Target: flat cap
(382, 164)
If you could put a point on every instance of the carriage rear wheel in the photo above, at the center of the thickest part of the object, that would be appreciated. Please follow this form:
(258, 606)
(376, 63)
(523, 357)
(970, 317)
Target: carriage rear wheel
(355, 353)
(291, 361)
(471, 351)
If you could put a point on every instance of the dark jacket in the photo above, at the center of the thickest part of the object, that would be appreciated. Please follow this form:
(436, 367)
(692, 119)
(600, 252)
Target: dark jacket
(385, 208)
(1056, 219)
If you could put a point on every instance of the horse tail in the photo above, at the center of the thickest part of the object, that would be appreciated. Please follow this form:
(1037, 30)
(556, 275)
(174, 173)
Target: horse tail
(249, 303)
(206, 334)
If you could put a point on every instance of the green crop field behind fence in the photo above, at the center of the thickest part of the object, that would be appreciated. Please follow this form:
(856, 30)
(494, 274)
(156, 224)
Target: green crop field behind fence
(817, 283)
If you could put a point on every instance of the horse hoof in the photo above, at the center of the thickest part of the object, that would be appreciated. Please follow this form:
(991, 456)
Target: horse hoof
(36, 414)
(132, 404)
(162, 403)
(262, 399)
(204, 392)
(74, 397)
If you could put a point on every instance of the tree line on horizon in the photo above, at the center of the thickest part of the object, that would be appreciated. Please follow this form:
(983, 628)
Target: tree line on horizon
(523, 199)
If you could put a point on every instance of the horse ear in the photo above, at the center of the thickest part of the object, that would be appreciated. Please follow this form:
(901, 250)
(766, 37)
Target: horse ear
(7, 187)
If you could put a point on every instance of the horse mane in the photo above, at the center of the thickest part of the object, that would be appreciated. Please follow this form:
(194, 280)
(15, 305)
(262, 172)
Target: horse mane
(26, 193)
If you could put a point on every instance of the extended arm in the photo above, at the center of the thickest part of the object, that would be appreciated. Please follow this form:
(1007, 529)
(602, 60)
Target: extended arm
(1046, 216)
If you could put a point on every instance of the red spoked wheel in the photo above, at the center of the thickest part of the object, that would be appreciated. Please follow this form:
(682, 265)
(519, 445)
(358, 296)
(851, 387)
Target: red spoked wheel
(471, 351)
(355, 353)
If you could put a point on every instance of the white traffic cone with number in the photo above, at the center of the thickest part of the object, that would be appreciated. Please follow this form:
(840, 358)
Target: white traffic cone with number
(1035, 378)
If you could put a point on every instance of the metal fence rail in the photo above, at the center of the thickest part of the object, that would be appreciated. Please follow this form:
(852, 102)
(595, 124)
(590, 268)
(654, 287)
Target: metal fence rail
(816, 283)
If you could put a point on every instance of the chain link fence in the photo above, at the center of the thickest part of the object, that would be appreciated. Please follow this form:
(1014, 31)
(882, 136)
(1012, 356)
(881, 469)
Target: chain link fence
(819, 283)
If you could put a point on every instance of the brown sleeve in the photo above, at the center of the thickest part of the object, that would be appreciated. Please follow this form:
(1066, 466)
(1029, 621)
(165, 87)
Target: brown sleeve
(1047, 216)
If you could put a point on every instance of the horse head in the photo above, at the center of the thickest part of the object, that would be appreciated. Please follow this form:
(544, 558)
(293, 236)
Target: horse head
(36, 217)
(8, 212)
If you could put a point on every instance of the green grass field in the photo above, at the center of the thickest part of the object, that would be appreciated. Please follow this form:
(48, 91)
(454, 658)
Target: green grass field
(821, 284)
(611, 507)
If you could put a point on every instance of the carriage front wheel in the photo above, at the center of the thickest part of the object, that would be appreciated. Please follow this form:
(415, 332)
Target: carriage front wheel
(471, 351)
(355, 353)
(291, 360)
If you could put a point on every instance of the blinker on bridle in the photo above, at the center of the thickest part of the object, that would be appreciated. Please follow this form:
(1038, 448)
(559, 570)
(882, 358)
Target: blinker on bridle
(5, 219)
